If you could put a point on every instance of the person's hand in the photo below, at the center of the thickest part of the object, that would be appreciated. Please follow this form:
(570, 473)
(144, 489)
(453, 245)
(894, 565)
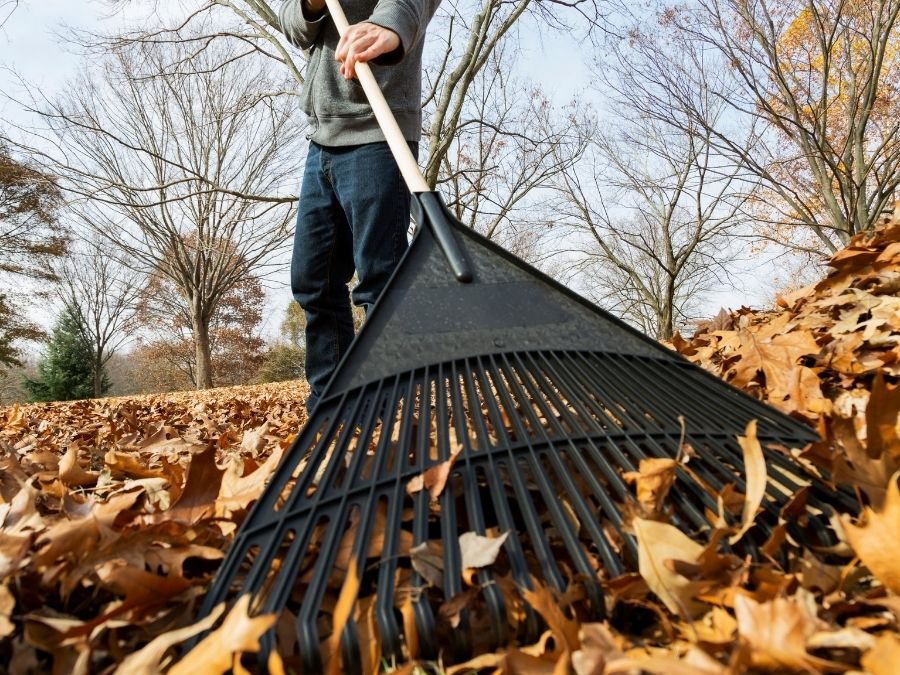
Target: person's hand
(361, 43)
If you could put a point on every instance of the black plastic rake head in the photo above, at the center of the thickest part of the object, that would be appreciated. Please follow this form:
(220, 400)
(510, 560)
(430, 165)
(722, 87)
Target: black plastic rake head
(545, 401)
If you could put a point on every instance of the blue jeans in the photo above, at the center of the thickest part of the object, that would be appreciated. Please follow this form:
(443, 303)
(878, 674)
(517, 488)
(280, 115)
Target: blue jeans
(353, 216)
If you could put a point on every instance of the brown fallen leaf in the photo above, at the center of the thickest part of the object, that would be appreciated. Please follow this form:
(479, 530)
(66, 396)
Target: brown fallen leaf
(695, 662)
(564, 628)
(876, 541)
(428, 560)
(202, 486)
(22, 515)
(139, 587)
(755, 475)
(716, 627)
(776, 633)
(70, 471)
(882, 420)
(172, 558)
(237, 492)
(653, 480)
(844, 638)
(7, 605)
(343, 611)
(13, 549)
(148, 661)
(254, 440)
(238, 634)
(75, 539)
(872, 476)
(477, 664)
(598, 648)
(434, 479)
(884, 657)
(659, 543)
(451, 609)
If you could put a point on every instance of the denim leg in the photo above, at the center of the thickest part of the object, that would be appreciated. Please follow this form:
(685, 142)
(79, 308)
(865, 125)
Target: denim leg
(321, 268)
(376, 200)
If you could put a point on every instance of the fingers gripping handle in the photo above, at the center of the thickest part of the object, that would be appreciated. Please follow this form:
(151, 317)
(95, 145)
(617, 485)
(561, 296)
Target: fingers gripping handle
(430, 207)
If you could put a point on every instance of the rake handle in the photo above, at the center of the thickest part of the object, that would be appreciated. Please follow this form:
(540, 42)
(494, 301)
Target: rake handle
(409, 168)
(430, 205)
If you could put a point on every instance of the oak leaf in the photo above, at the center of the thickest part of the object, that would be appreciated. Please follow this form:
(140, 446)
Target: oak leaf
(238, 634)
(776, 633)
(434, 479)
(70, 471)
(653, 480)
(876, 541)
(882, 412)
(201, 488)
(148, 660)
(659, 544)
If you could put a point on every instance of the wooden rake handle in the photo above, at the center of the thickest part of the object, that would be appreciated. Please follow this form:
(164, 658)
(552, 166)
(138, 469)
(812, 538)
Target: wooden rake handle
(426, 203)
(409, 168)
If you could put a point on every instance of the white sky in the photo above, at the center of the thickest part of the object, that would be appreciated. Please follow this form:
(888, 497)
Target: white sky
(30, 46)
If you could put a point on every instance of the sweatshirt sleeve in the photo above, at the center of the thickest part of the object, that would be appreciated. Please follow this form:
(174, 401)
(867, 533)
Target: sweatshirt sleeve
(408, 19)
(300, 30)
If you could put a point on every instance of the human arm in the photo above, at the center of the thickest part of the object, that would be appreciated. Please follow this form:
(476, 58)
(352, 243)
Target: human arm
(301, 21)
(392, 31)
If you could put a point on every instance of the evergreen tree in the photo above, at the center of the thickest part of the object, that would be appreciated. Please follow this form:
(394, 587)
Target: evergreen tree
(66, 372)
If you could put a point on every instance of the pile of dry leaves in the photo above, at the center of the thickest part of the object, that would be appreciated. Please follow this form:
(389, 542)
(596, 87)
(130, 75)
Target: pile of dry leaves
(115, 514)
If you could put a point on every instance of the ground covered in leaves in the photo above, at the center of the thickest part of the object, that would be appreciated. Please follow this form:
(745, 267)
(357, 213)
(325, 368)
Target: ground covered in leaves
(115, 514)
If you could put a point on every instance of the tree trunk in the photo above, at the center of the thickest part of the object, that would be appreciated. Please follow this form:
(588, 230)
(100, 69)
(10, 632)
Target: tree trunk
(203, 378)
(667, 319)
(98, 378)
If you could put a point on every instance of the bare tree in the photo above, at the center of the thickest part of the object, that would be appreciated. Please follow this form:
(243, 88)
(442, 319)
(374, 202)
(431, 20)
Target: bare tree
(468, 33)
(653, 211)
(100, 293)
(512, 144)
(473, 34)
(183, 174)
(7, 7)
(813, 82)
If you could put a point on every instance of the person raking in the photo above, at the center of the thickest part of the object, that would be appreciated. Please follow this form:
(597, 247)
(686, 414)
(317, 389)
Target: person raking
(354, 208)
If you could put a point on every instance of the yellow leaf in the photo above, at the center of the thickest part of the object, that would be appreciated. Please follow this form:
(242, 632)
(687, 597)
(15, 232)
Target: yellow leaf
(658, 544)
(755, 470)
(239, 633)
(776, 633)
(343, 610)
(147, 660)
(883, 658)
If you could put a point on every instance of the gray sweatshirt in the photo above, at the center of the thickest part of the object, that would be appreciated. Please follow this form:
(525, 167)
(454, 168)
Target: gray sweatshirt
(338, 111)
